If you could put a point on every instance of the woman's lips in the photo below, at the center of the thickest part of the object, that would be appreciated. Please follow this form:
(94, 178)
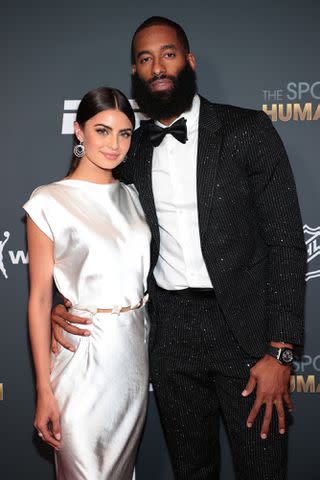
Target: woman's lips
(161, 84)
(110, 156)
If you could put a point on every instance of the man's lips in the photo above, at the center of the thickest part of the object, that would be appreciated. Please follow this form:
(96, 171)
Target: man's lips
(161, 84)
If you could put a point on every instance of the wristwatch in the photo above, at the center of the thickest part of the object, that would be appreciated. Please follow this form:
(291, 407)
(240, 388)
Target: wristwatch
(284, 355)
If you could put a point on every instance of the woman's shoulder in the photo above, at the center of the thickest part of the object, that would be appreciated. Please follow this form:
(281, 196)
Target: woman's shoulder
(46, 191)
(130, 188)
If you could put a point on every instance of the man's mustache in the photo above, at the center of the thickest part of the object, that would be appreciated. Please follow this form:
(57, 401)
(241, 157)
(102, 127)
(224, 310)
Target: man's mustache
(162, 77)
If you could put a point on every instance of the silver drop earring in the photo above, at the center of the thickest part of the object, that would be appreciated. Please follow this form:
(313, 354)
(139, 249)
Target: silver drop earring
(79, 150)
(125, 159)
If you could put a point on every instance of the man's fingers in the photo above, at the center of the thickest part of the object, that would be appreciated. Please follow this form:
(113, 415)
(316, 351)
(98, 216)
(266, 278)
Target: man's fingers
(76, 331)
(63, 323)
(54, 344)
(60, 339)
(251, 385)
(61, 316)
(266, 420)
(288, 401)
(254, 412)
(281, 416)
(66, 302)
(62, 320)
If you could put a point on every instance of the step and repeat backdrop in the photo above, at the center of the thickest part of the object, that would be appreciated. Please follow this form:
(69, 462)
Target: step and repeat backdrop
(261, 55)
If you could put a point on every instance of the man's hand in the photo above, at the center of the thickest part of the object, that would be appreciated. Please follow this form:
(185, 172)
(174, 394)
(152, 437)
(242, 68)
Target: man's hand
(271, 381)
(62, 320)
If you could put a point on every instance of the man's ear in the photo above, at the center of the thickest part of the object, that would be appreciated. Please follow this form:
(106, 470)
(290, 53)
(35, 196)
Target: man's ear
(133, 68)
(191, 59)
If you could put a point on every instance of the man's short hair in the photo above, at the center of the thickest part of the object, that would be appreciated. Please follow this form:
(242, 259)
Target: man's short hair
(152, 21)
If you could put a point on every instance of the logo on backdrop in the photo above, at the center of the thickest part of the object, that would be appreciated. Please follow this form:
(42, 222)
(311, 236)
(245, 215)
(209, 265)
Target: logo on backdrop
(306, 375)
(6, 236)
(298, 101)
(312, 239)
(70, 110)
(15, 257)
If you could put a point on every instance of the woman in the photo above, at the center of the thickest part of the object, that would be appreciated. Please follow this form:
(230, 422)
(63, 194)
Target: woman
(88, 233)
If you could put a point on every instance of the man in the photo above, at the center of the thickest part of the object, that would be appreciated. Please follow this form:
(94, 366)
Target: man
(228, 261)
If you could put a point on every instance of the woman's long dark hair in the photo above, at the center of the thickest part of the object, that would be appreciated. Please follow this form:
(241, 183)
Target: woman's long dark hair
(95, 101)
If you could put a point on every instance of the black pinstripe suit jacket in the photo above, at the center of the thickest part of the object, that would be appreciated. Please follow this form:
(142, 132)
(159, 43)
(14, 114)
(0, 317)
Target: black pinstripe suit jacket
(249, 219)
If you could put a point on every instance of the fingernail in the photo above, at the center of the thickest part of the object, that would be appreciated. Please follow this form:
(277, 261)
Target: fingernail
(86, 333)
(263, 436)
(282, 431)
(249, 425)
(58, 436)
(72, 349)
(88, 322)
(244, 392)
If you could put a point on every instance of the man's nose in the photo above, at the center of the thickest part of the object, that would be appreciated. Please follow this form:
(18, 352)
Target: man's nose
(158, 67)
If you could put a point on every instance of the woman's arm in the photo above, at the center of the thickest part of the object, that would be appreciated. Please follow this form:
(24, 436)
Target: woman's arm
(40, 249)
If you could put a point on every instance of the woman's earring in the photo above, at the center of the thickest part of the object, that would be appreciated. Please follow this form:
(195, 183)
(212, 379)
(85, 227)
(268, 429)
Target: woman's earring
(125, 159)
(79, 150)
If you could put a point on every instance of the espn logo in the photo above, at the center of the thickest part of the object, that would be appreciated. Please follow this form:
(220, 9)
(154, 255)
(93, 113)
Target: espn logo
(70, 110)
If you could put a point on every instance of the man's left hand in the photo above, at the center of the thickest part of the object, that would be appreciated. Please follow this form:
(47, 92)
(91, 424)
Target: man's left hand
(271, 381)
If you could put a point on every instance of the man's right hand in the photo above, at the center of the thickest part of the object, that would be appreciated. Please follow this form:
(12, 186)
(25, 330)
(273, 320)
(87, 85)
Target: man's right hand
(61, 320)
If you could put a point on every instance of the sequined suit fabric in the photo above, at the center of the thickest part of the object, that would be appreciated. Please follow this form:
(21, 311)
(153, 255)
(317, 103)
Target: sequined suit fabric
(253, 246)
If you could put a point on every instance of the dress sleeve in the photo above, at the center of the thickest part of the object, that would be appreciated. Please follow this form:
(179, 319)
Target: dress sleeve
(36, 209)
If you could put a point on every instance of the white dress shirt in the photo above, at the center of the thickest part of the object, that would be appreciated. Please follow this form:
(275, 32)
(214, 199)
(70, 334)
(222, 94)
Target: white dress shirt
(174, 182)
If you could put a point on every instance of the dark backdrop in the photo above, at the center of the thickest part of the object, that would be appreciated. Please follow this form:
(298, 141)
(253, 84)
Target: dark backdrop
(250, 53)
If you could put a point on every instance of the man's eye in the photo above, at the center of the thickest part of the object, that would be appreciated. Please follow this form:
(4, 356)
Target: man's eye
(170, 55)
(145, 59)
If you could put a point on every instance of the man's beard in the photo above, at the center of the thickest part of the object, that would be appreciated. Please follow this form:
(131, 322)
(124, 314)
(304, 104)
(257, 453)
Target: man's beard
(164, 105)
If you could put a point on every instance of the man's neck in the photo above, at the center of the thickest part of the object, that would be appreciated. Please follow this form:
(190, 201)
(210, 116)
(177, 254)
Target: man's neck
(168, 121)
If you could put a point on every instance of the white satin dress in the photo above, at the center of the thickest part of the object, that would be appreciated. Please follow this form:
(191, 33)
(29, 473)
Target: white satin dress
(101, 260)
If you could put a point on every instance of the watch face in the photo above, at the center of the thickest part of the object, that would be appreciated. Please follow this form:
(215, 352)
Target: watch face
(287, 356)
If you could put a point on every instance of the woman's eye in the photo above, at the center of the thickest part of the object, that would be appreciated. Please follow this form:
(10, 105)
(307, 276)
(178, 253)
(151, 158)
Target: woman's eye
(126, 134)
(102, 131)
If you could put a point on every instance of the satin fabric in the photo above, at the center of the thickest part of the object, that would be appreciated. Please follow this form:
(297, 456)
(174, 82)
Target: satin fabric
(101, 240)
(101, 260)
(102, 392)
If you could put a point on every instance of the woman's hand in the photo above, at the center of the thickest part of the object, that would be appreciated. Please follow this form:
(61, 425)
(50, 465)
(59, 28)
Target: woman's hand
(47, 418)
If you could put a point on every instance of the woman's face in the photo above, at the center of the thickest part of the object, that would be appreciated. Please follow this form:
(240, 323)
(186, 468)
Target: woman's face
(106, 138)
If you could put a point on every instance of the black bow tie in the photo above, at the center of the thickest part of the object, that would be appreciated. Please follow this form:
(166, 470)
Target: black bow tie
(178, 129)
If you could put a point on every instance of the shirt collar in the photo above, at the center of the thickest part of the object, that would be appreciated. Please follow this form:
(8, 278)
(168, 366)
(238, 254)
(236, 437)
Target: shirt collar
(192, 115)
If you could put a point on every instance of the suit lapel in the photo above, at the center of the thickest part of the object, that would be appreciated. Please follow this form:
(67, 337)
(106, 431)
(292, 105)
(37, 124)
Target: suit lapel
(143, 183)
(209, 141)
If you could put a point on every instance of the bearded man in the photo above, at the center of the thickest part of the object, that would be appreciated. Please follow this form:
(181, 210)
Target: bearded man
(228, 263)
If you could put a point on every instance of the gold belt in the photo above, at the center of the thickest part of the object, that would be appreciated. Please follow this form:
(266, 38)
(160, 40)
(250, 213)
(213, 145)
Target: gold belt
(117, 309)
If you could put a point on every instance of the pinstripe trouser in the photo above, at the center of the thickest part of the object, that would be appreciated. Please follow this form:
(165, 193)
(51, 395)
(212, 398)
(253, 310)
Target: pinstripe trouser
(198, 372)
